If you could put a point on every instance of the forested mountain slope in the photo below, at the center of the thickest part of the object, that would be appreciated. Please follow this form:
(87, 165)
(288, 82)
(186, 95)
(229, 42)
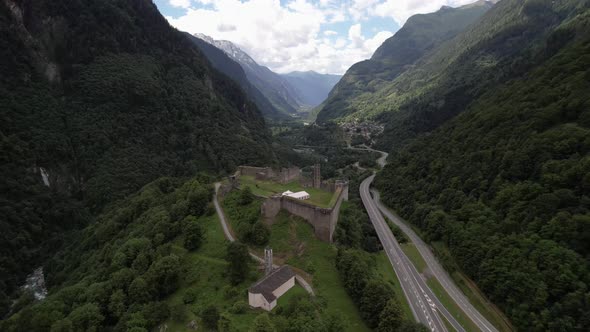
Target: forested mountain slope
(106, 97)
(275, 88)
(234, 70)
(508, 41)
(420, 34)
(115, 274)
(505, 184)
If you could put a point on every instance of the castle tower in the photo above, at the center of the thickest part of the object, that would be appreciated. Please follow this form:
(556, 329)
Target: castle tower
(267, 261)
(317, 177)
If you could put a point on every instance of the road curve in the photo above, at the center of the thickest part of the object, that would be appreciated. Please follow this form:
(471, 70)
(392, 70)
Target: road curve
(231, 238)
(437, 270)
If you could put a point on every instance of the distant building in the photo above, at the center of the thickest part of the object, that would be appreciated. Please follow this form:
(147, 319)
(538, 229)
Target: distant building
(298, 195)
(265, 292)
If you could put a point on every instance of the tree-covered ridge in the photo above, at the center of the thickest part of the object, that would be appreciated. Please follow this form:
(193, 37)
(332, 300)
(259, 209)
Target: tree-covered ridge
(420, 34)
(222, 62)
(275, 88)
(504, 43)
(505, 185)
(507, 42)
(106, 97)
(116, 272)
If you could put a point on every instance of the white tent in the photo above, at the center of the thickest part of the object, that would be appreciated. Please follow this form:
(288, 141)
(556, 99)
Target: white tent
(299, 195)
(287, 193)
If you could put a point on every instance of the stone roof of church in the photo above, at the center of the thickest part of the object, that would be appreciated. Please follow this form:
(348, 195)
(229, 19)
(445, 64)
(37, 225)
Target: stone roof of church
(271, 282)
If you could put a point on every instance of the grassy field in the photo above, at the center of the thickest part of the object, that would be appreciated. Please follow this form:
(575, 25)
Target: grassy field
(451, 306)
(318, 197)
(293, 292)
(414, 255)
(205, 275)
(293, 242)
(412, 252)
(383, 267)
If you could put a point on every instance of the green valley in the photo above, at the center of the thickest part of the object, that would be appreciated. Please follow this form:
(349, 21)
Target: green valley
(297, 166)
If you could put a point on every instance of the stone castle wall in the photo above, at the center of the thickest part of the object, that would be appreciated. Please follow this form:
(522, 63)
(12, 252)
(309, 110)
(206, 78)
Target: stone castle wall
(287, 175)
(284, 175)
(323, 220)
(253, 171)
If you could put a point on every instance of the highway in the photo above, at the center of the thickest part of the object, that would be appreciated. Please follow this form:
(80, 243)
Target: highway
(436, 269)
(414, 286)
(424, 304)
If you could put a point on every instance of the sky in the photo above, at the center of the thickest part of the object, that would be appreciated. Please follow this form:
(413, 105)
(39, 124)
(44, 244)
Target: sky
(326, 36)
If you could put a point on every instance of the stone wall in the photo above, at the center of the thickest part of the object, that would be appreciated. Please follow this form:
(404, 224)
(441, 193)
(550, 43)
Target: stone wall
(253, 171)
(343, 196)
(284, 175)
(287, 175)
(323, 220)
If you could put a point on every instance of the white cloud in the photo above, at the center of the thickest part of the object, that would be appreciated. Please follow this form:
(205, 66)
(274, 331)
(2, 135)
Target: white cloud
(359, 8)
(180, 3)
(226, 27)
(299, 34)
(401, 10)
(355, 36)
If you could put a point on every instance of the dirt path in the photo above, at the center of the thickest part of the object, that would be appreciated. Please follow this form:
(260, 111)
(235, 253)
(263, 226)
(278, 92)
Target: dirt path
(228, 234)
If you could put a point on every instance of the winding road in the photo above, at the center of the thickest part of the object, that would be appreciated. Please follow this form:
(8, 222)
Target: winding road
(425, 306)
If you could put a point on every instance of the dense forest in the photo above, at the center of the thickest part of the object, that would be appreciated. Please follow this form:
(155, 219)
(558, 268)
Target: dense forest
(100, 98)
(505, 184)
(117, 271)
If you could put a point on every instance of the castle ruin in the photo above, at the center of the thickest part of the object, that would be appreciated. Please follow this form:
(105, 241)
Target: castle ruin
(284, 175)
(322, 219)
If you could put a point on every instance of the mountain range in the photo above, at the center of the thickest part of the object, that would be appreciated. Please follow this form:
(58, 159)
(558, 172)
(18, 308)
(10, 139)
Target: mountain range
(487, 124)
(311, 87)
(222, 62)
(421, 34)
(288, 93)
(114, 126)
(99, 107)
